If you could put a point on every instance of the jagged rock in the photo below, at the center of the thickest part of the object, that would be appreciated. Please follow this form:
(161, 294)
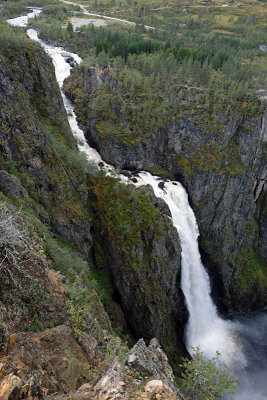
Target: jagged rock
(112, 382)
(10, 387)
(156, 389)
(152, 385)
(10, 185)
(149, 363)
(150, 360)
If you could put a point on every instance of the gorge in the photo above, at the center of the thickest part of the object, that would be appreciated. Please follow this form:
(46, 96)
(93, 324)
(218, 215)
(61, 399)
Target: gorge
(241, 340)
(205, 328)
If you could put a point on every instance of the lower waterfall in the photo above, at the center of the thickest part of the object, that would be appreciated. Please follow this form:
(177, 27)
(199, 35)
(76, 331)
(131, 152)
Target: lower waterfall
(204, 328)
(242, 343)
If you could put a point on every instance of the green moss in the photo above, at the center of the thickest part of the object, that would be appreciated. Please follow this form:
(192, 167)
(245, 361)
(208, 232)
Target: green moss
(126, 213)
(122, 134)
(158, 170)
(253, 272)
(184, 163)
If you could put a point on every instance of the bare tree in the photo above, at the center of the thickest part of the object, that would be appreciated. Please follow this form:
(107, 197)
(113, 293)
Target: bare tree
(14, 243)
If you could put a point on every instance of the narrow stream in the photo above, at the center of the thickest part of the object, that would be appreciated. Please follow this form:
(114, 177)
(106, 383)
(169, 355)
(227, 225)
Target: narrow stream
(242, 343)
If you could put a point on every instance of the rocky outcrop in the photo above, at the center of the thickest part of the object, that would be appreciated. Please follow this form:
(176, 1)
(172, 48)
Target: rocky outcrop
(143, 253)
(219, 158)
(150, 361)
(144, 367)
(10, 387)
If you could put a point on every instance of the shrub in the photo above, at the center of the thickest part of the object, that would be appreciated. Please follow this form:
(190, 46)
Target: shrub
(206, 379)
(14, 243)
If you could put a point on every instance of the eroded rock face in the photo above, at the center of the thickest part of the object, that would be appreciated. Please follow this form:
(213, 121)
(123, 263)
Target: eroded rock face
(54, 354)
(52, 365)
(220, 161)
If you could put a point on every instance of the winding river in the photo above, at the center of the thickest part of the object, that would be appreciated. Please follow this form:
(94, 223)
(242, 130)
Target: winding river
(242, 343)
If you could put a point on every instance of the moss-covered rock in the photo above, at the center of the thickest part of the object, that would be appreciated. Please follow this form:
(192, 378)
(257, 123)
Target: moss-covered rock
(143, 253)
(219, 157)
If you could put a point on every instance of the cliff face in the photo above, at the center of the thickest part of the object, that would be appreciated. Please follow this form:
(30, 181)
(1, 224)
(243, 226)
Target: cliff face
(220, 161)
(142, 250)
(36, 145)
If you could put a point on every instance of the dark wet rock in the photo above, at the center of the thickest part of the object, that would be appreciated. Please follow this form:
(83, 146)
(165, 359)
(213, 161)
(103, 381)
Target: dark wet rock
(71, 61)
(126, 173)
(161, 185)
(101, 164)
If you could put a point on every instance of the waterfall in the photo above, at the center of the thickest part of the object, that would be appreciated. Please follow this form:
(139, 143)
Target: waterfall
(205, 327)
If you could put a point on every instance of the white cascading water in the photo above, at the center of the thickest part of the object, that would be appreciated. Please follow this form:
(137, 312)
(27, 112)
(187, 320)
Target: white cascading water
(22, 21)
(205, 328)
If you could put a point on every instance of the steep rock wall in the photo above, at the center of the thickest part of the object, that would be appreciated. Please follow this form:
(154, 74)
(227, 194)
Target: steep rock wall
(220, 161)
(36, 145)
(142, 251)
